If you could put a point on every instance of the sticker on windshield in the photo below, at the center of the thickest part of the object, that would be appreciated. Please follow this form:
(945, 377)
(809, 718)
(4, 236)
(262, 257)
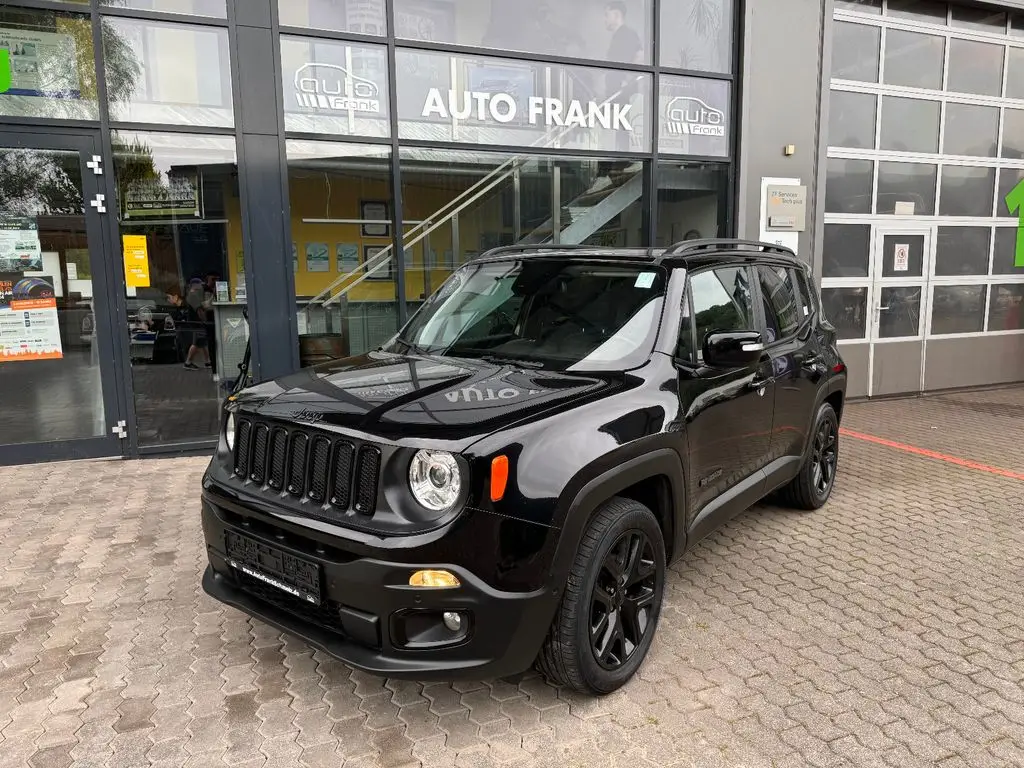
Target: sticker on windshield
(644, 280)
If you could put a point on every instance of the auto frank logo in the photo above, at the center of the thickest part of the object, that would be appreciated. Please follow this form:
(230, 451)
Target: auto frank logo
(689, 116)
(330, 88)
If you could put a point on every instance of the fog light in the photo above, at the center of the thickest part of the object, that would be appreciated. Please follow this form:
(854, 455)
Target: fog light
(452, 620)
(434, 580)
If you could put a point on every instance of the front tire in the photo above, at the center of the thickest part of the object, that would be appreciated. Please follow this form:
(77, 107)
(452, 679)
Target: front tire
(609, 612)
(813, 486)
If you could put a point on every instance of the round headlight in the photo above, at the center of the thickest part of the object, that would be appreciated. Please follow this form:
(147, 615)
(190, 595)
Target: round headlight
(229, 431)
(434, 480)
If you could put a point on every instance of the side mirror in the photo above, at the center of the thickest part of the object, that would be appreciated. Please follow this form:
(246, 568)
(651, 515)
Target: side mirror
(733, 349)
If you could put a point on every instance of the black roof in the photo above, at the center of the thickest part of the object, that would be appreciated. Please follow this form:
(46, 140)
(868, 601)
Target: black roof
(688, 253)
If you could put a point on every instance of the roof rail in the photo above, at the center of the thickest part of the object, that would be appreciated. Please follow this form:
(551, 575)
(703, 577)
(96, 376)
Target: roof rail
(718, 243)
(505, 250)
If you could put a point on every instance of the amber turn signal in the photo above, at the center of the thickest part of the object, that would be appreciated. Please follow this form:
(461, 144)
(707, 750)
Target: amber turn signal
(499, 477)
(434, 580)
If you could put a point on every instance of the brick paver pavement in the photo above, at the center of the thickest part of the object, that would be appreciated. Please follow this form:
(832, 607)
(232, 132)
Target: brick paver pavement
(884, 630)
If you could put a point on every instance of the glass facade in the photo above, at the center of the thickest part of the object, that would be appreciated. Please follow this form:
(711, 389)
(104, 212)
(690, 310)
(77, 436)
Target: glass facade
(412, 136)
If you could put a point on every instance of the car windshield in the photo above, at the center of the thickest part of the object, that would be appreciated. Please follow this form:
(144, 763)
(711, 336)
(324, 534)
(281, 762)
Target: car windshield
(557, 313)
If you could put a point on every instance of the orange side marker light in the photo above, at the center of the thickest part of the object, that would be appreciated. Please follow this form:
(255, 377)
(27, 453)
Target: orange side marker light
(499, 477)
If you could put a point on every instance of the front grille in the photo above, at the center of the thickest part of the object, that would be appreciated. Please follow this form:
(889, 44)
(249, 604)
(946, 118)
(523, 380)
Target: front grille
(331, 473)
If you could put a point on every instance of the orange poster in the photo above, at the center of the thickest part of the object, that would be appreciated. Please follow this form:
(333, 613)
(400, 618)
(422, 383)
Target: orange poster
(29, 329)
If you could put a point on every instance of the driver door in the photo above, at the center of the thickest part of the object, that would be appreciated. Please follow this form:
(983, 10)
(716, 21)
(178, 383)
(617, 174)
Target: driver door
(728, 412)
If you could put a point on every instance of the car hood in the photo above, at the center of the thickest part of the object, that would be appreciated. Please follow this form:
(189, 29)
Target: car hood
(420, 395)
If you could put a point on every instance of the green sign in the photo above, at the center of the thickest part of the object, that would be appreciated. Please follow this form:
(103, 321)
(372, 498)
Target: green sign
(5, 70)
(1015, 202)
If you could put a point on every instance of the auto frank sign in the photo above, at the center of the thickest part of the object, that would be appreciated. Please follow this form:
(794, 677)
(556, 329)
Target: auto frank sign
(332, 88)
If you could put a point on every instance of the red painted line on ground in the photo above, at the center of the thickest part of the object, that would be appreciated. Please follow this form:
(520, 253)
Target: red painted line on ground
(933, 454)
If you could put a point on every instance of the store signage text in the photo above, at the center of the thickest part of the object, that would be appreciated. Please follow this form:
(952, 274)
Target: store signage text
(540, 110)
(332, 88)
(688, 116)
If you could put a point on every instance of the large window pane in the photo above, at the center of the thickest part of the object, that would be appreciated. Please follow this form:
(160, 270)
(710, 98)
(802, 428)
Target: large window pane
(848, 186)
(691, 201)
(975, 68)
(962, 251)
(855, 51)
(910, 125)
(342, 220)
(336, 88)
(967, 191)
(697, 34)
(851, 120)
(1015, 74)
(928, 11)
(367, 17)
(174, 74)
(177, 203)
(605, 31)
(862, 6)
(971, 130)
(214, 8)
(847, 250)
(1013, 134)
(1009, 179)
(914, 59)
(1005, 252)
(979, 19)
(53, 74)
(847, 310)
(482, 100)
(912, 184)
(901, 315)
(694, 116)
(1006, 311)
(1017, 25)
(958, 309)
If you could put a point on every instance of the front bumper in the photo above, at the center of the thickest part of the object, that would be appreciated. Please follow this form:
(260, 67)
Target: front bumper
(367, 606)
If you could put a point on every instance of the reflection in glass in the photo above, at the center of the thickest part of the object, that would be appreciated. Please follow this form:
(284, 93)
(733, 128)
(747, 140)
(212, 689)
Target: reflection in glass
(619, 30)
(851, 120)
(695, 116)
(958, 309)
(929, 11)
(1005, 251)
(1009, 179)
(846, 250)
(177, 202)
(701, 36)
(334, 88)
(910, 125)
(1015, 74)
(907, 183)
(862, 6)
(900, 311)
(967, 191)
(345, 281)
(55, 392)
(971, 130)
(848, 186)
(846, 309)
(1013, 134)
(692, 201)
(214, 8)
(855, 51)
(979, 19)
(975, 67)
(366, 17)
(962, 251)
(721, 302)
(1017, 25)
(912, 245)
(1006, 312)
(53, 74)
(914, 59)
(521, 103)
(174, 74)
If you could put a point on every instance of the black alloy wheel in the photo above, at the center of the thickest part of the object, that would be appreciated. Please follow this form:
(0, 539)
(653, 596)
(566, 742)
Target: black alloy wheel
(812, 487)
(824, 457)
(623, 596)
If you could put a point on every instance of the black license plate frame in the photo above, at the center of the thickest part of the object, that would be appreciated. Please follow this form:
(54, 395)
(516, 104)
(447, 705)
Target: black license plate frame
(295, 576)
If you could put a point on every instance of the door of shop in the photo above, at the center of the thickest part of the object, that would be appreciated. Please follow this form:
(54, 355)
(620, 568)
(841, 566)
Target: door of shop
(900, 265)
(59, 396)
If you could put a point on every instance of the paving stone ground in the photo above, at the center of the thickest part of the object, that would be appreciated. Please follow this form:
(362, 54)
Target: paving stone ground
(886, 629)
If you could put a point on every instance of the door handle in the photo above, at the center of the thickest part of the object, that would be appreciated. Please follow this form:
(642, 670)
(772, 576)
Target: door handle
(761, 383)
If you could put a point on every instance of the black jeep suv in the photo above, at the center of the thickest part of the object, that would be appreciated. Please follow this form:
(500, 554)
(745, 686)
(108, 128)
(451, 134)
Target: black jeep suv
(506, 480)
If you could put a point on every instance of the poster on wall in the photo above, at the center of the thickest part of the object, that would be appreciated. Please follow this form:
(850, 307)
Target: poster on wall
(348, 257)
(29, 329)
(371, 262)
(157, 198)
(318, 258)
(41, 64)
(19, 244)
(375, 210)
(136, 261)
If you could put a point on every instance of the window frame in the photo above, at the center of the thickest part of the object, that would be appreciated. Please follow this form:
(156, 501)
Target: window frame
(757, 320)
(803, 321)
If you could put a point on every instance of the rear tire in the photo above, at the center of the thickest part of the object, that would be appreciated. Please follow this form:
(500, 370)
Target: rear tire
(609, 611)
(813, 486)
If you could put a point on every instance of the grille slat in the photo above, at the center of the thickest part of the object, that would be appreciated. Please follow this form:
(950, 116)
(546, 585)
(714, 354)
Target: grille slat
(258, 470)
(243, 431)
(318, 465)
(297, 464)
(366, 480)
(278, 459)
(341, 483)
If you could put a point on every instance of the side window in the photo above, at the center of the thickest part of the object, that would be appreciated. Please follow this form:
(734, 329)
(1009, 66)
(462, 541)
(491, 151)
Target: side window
(721, 302)
(783, 309)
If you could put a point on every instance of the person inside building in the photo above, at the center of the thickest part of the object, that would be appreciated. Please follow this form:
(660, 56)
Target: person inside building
(188, 320)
